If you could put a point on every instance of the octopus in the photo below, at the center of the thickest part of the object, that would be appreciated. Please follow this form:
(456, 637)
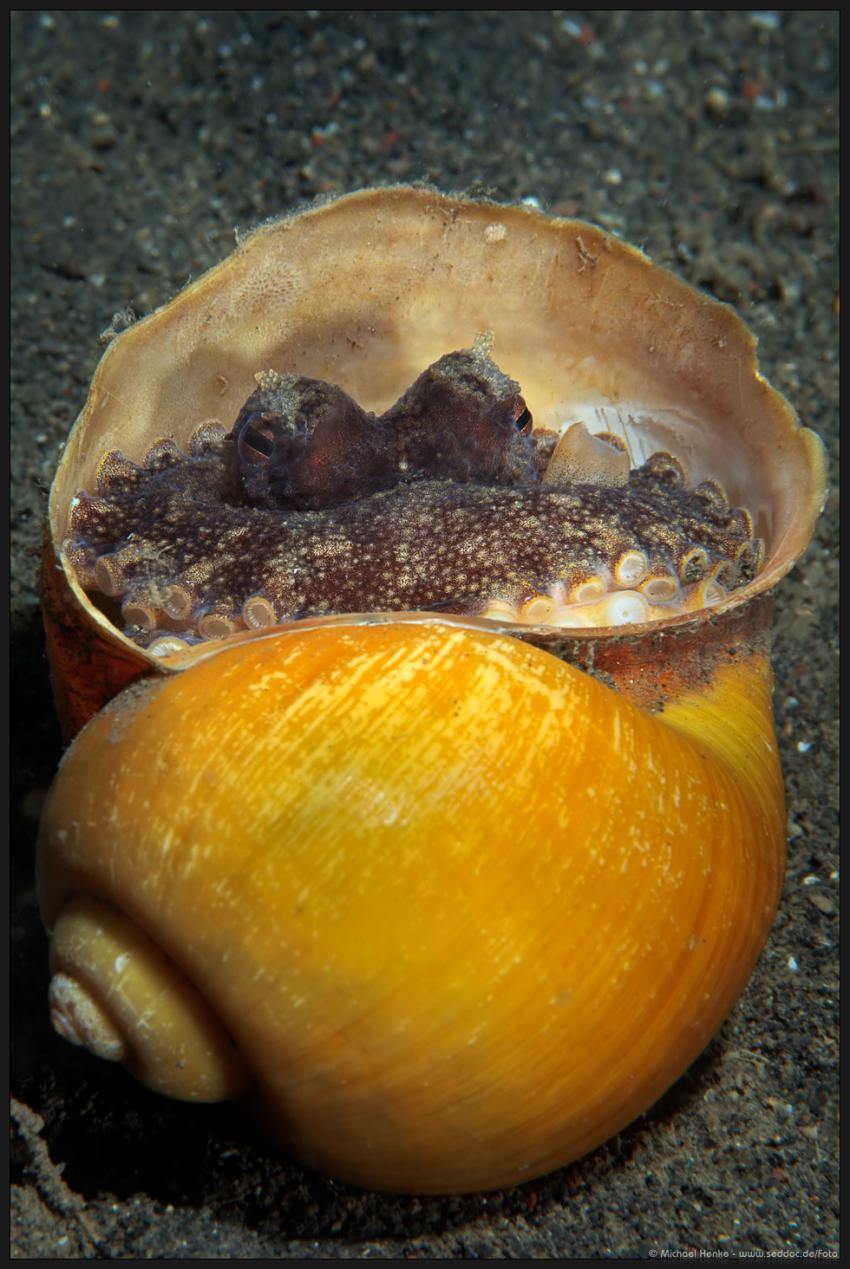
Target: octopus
(449, 501)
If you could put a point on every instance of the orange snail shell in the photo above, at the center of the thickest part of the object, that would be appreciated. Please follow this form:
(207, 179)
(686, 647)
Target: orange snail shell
(392, 877)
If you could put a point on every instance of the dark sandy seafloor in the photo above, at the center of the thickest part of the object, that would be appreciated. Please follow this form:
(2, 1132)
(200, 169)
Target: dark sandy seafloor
(140, 143)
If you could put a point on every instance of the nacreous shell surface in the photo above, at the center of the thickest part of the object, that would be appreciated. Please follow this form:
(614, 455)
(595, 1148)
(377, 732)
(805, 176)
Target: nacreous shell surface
(369, 289)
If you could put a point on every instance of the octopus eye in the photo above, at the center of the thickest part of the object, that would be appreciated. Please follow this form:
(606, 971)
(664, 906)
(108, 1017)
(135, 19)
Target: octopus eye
(523, 421)
(256, 440)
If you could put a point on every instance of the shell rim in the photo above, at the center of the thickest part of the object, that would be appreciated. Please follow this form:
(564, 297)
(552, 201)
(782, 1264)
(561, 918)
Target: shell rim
(452, 203)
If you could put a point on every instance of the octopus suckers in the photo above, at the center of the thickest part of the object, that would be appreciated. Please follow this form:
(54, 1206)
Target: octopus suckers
(450, 500)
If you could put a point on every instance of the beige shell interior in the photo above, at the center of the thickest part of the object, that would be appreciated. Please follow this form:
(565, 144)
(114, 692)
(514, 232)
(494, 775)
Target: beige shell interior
(368, 290)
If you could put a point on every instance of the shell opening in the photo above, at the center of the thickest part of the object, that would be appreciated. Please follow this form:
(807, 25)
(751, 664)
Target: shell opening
(450, 500)
(578, 352)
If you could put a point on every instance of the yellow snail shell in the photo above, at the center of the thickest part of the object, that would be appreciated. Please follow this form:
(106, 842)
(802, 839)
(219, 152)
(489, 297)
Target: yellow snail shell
(444, 909)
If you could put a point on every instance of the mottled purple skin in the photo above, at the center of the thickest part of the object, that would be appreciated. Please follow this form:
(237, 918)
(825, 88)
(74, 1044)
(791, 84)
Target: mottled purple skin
(319, 507)
(304, 444)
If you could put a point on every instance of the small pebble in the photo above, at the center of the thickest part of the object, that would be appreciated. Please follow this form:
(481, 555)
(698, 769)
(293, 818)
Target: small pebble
(716, 101)
(570, 27)
(821, 901)
(766, 20)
